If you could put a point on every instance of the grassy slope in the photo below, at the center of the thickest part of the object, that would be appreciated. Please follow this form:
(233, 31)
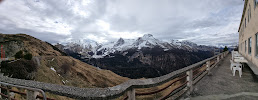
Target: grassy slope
(80, 74)
(16, 42)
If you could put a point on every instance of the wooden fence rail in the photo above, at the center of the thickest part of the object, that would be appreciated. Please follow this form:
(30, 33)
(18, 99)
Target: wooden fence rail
(192, 74)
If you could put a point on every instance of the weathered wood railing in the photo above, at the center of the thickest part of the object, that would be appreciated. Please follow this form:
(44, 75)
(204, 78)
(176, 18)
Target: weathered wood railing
(190, 76)
(31, 93)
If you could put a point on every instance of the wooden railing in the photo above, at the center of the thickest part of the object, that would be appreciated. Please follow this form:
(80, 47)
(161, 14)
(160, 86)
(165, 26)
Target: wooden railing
(188, 76)
(31, 93)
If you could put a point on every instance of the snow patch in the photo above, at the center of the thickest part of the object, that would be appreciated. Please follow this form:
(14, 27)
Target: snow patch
(63, 81)
(53, 69)
(97, 56)
(166, 49)
(99, 68)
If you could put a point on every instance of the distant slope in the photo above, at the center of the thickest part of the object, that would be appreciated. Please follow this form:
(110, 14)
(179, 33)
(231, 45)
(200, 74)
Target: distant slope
(79, 74)
(149, 62)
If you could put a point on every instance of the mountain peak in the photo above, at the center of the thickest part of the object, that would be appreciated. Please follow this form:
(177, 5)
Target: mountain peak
(120, 41)
(146, 41)
(189, 43)
(147, 36)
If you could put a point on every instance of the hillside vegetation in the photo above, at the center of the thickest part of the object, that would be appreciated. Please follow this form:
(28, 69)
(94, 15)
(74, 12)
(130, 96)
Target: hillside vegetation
(69, 71)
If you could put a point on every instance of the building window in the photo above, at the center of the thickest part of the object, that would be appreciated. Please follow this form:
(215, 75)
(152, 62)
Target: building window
(248, 15)
(245, 22)
(245, 46)
(256, 44)
(240, 47)
(243, 27)
(249, 45)
(250, 10)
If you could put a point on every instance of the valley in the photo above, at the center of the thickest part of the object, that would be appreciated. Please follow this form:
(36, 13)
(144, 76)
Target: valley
(144, 57)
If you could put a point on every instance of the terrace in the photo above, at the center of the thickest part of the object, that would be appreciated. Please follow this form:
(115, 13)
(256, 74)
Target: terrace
(221, 84)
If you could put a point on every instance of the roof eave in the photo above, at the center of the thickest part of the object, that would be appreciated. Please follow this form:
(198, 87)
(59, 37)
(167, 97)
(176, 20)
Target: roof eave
(243, 14)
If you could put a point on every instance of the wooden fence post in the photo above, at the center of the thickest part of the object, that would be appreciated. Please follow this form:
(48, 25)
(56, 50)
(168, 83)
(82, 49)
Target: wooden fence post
(131, 94)
(217, 59)
(8, 93)
(190, 80)
(0, 84)
(0, 92)
(31, 95)
(208, 64)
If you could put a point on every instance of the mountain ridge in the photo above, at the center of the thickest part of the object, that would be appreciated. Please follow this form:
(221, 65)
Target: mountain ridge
(142, 57)
(98, 50)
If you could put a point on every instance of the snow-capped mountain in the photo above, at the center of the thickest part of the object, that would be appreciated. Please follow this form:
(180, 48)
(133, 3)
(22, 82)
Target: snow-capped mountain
(85, 44)
(92, 49)
(145, 56)
(147, 41)
(86, 48)
(124, 44)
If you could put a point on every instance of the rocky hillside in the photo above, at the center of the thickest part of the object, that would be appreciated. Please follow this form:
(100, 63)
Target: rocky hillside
(52, 66)
(66, 70)
(16, 42)
(148, 62)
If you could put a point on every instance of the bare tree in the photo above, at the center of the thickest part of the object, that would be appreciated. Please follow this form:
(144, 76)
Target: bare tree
(65, 68)
(74, 63)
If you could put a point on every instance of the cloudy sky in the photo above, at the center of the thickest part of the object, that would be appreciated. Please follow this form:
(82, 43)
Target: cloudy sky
(208, 22)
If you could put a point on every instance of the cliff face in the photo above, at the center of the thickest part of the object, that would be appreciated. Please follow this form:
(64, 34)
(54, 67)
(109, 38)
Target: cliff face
(149, 62)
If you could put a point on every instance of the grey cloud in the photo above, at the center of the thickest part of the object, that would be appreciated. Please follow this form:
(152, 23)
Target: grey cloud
(166, 19)
(44, 36)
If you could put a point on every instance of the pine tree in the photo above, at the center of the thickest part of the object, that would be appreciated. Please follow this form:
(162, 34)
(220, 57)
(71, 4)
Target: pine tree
(225, 49)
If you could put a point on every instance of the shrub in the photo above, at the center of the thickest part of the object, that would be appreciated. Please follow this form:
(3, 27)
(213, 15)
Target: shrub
(225, 49)
(18, 69)
(74, 63)
(19, 55)
(28, 56)
(65, 68)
